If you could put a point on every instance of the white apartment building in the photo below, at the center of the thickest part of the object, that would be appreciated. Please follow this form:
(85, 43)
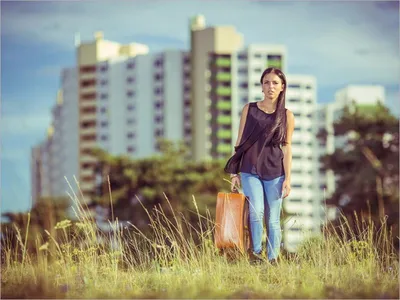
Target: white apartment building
(118, 102)
(303, 204)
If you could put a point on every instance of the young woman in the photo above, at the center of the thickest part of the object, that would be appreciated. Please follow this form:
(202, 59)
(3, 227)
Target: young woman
(263, 157)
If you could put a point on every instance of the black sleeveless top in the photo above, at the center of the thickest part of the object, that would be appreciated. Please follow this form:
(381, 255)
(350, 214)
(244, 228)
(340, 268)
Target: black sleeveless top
(271, 156)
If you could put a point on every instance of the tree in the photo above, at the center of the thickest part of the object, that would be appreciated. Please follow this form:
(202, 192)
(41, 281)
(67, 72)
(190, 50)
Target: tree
(148, 179)
(367, 168)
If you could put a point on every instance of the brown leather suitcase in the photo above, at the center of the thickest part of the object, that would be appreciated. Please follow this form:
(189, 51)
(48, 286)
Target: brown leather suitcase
(231, 222)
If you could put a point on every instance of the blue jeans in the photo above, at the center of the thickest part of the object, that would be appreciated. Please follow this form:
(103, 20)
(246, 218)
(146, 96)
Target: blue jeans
(264, 194)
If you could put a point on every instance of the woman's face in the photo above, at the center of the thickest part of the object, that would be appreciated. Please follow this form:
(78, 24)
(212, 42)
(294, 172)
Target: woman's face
(272, 86)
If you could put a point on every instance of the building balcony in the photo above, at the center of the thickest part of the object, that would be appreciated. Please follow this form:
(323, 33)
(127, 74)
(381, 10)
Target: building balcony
(224, 105)
(298, 208)
(224, 91)
(87, 76)
(87, 103)
(88, 117)
(88, 131)
(87, 159)
(223, 62)
(224, 76)
(224, 134)
(224, 120)
(305, 223)
(224, 148)
(88, 89)
(87, 172)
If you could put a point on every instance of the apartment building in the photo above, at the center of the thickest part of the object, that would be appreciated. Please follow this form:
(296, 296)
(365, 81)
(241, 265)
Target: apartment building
(121, 99)
(211, 50)
(41, 168)
(303, 205)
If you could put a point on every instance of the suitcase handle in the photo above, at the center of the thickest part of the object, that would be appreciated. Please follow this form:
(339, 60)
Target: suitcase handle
(235, 190)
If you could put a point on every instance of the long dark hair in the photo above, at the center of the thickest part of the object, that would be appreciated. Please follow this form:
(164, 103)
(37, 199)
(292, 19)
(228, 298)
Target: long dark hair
(279, 126)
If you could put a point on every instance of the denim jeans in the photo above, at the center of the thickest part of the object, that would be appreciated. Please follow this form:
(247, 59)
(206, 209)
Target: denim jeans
(264, 196)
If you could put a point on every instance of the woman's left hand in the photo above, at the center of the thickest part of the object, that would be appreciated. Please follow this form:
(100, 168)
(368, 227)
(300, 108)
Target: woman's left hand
(285, 188)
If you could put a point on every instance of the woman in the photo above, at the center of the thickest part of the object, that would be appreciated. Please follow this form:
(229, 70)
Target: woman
(263, 157)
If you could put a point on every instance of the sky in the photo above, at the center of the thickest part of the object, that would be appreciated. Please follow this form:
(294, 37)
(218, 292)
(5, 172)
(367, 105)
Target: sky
(339, 43)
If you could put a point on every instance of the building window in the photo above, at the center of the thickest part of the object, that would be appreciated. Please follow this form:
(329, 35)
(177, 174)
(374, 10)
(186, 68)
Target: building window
(242, 56)
(158, 76)
(186, 60)
(295, 200)
(89, 82)
(131, 149)
(103, 96)
(159, 132)
(88, 69)
(159, 119)
(130, 80)
(90, 96)
(130, 93)
(104, 138)
(130, 121)
(158, 91)
(274, 61)
(130, 135)
(186, 89)
(294, 100)
(104, 68)
(243, 71)
(88, 110)
(257, 55)
(130, 107)
(294, 86)
(130, 65)
(186, 102)
(158, 62)
(244, 85)
(258, 70)
(159, 104)
(103, 82)
(103, 110)
(103, 123)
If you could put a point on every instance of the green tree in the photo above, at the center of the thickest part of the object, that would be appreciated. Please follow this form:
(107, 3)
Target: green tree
(169, 174)
(367, 167)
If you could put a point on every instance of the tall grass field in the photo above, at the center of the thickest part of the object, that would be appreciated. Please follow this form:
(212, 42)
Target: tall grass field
(179, 260)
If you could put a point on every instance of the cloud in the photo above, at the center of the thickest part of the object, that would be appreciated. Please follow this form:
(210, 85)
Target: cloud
(339, 43)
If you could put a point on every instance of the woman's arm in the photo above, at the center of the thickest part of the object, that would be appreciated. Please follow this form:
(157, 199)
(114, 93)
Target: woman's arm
(287, 153)
(243, 118)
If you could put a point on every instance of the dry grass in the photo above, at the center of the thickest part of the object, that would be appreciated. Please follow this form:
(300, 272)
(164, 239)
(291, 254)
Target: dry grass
(180, 261)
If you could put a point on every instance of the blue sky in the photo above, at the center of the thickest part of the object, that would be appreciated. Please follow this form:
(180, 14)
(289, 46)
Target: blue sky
(339, 43)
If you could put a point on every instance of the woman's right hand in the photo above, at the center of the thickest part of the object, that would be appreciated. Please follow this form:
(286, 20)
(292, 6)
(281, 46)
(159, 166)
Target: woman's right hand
(235, 183)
